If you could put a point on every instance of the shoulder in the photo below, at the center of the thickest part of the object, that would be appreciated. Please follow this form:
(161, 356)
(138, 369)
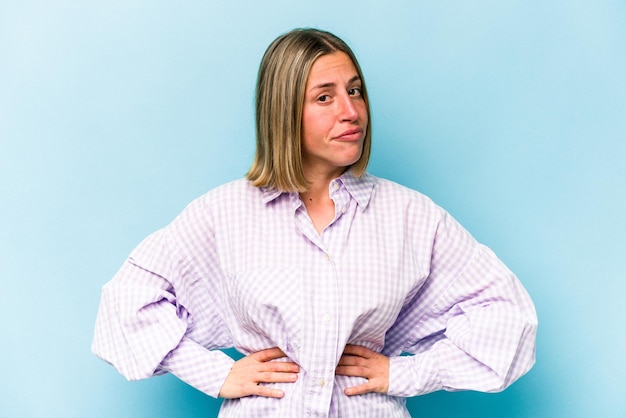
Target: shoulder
(419, 213)
(236, 188)
(227, 195)
(391, 193)
(224, 198)
(393, 203)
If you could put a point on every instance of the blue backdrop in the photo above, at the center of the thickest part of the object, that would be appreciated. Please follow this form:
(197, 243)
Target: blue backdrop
(115, 114)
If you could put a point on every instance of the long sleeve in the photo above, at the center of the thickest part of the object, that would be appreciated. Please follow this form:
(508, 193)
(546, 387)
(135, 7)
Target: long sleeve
(152, 320)
(472, 326)
(137, 323)
(243, 267)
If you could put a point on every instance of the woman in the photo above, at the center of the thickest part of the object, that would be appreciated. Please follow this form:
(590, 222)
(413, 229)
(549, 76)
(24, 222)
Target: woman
(321, 274)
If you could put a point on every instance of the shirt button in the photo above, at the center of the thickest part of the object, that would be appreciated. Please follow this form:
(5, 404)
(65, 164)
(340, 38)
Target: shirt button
(326, 257)
(343, 209)
(321, 383)
(326, 318)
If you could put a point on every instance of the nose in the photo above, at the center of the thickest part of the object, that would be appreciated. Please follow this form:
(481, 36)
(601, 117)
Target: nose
(347, 109)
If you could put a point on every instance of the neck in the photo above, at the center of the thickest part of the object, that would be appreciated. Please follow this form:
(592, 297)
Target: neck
(320, 179)
(316, 193)
(319, 205)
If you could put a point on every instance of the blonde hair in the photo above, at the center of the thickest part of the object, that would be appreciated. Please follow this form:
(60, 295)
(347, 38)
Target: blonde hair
(280, 90)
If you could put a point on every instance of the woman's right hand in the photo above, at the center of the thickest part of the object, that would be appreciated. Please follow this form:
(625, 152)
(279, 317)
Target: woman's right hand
(248, 372)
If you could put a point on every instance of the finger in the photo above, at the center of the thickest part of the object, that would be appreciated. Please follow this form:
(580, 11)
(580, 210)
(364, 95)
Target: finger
(358, 350)
(268, 354)
(283, 367)
(356, 371)
(273, 377)
(372, 385)
(359, 390)
(350, 360)
(267, 392)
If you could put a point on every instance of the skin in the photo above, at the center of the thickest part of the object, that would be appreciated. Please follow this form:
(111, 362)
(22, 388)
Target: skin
(334, 123)
(334, 118)
(362, 362)
(246, 374)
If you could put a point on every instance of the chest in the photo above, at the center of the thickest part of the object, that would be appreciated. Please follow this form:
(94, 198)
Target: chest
(285, 281)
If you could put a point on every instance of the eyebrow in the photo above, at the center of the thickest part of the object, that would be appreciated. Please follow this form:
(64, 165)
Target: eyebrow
(326, 85)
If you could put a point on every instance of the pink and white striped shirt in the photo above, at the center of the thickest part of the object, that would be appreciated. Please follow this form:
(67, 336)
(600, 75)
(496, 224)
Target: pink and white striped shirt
(244, 267)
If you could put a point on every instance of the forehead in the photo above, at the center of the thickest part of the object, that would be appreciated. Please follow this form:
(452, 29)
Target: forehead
(332, 68)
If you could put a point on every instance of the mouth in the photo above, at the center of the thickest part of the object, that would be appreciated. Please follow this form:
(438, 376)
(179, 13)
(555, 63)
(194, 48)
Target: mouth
(350, 135)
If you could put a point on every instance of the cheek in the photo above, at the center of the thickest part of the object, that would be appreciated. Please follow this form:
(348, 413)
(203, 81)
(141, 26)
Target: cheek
(307, 121)
(313, 125)
(309, 133)
(306, 132)
(363, 114)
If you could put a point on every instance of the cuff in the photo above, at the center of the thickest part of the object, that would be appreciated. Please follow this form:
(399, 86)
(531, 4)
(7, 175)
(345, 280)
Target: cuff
(204, 369)
(414, 375)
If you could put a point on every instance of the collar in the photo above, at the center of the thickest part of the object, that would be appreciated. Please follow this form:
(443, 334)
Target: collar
(360, 188)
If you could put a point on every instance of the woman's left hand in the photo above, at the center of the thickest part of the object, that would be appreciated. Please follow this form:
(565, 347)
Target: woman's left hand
(360, 361)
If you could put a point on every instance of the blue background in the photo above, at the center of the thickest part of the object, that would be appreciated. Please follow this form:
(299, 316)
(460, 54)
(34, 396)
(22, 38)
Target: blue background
(115, 114)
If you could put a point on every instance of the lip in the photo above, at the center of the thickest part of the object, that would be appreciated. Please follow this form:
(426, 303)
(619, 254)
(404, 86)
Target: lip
(354, 134)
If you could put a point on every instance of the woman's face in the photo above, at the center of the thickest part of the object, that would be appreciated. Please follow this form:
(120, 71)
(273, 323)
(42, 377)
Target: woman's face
(334, 117)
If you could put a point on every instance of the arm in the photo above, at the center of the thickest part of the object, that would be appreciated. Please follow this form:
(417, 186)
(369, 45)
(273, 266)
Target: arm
(143, 329)
(472, 326)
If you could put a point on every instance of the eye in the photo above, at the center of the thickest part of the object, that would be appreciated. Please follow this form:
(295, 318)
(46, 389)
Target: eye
(354, 91)
(323, 98)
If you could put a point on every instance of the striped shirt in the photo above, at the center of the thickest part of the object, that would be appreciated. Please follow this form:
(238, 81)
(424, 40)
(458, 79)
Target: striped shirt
(244, 267)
